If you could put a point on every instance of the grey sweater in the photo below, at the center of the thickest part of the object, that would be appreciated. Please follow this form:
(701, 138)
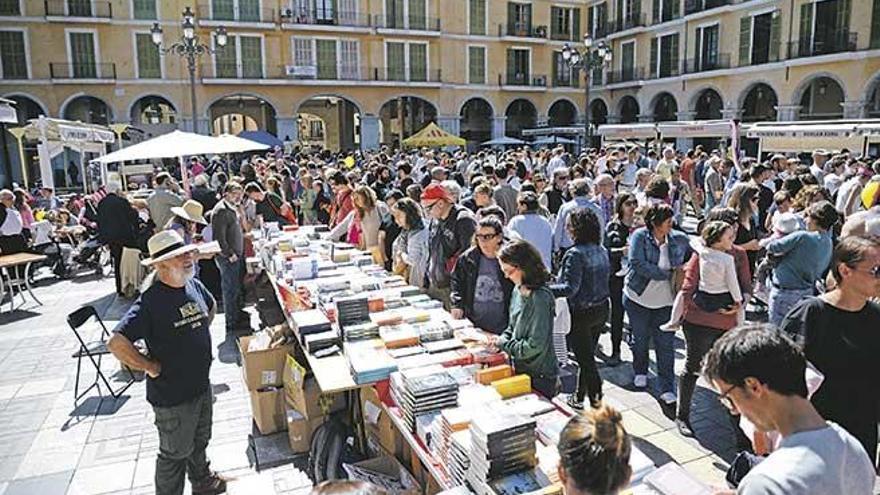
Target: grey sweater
(227, 229)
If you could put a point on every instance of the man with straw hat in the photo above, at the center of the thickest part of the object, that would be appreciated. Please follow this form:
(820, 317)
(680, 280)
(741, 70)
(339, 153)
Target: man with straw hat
(173, 316)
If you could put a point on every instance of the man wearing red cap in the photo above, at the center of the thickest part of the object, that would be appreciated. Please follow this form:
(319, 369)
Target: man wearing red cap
(451, 232)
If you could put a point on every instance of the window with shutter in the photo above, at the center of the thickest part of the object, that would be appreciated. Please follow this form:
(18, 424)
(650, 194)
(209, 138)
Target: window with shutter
(417, 14)
(806, 30)
(575, 24)
(875, 25)
(325, 11)
(627, 61)
(224, 59)
(348, 12)
(394, 14)
(349, 59)
(477, 16)
(149, 61)
(653, 67)
(251, 57)
(396, 61)
(144, 9)
(249, 10)
(476, 65)
(303, 54)
(79, 8)
(10, 7)
(82, 53)
(672, 68)
(511, 18)
(591, 22)
(326, 55)
(223, 10)
(745, 40)
(13, 60)
(418, 62)
(775, 36)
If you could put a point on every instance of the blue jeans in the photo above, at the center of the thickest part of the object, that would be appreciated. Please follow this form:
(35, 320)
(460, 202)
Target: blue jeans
(645, 324)
(230, 284)
(782, 300)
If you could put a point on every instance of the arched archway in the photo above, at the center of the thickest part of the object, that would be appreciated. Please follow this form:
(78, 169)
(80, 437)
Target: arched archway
(562, 113)
(665, 108)
(759, 104)
(153, 110)
(331, 122)
(26, 108)
(236, 113)
(598, 112)
(521, 114)
(873, 103)
(88, 109)
(628, 108)
(822, 99)
(402, 117)
(708, 105)
(476, 121)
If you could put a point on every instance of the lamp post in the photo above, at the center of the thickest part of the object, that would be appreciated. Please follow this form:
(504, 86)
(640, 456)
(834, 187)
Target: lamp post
(189, 47)
(588, 60)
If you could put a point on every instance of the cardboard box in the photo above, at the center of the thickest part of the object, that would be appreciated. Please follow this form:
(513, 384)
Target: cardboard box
(377, 425)
(262, 369)
(300, 430)
(386, 473)
(303, 394)
(268, 410)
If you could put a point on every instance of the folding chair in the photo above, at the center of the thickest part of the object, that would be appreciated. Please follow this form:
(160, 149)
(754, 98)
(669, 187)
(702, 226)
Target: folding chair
(93, 349)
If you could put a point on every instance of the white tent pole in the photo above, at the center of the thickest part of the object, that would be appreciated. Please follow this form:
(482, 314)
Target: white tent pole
(183, 177)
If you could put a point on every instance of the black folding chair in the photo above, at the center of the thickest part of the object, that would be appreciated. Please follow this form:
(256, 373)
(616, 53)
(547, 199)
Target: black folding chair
(92, 350)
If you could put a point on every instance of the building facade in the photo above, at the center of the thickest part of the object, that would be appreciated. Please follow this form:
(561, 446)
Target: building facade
(348, 73)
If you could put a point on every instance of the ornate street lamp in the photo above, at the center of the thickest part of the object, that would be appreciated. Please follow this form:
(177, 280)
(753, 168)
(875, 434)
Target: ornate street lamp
(589, 59)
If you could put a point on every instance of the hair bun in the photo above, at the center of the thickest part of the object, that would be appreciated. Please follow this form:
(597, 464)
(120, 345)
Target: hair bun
(607, 426)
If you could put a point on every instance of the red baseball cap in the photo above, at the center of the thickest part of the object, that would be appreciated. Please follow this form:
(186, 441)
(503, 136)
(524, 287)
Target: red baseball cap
(434, 192)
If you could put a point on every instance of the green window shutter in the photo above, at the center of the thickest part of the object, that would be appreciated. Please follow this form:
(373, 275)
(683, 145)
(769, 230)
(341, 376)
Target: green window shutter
(775, 36)
(417, 14)
(12, 55)
(652, 69)
(618, 11)
(9, 7)
(224, 60)
(636, 11)
(576, 24)
(745, 40)
(511, 66)
(656, 15)
(555, 22)
(554, 68)
(396, 61)
(82, 52)
(843, 14)
(326, 52)
(148, 58)
(418, 62)
(806, 26)
(591, 12)
(699, 60)
(875, 25)
(528, 15)
(144, 9)
(251, 57)
(79, 8)
(511, 18)
(476, 65)
(249, 10)
(603, 17)
(223, 10)
(394, 13)
(477, 17)
(673, 54)
(676, 8)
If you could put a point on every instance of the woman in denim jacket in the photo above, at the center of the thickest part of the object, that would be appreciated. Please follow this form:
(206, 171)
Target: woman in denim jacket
(655, 251)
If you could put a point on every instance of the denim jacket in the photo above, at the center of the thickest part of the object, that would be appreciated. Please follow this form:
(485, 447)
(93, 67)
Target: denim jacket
(644, 254)
(583, 278)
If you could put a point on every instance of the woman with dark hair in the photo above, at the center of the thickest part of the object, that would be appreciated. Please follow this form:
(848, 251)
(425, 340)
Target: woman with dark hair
(389, 230)
(479, 290)
(410, 249)
(362, 223)
(656, 254)
(594, 450)
(529, 334)
(616, 238)
(744, 199)
(583, 280)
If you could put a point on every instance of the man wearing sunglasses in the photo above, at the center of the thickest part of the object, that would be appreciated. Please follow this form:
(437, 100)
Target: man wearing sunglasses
(451, 232)
(838, 333)
(759, 373)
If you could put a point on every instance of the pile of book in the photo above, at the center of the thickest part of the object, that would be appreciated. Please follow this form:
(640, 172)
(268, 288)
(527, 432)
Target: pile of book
(352, 310)
(360, 331)
(502, 443)
(310, 321)
(451, 421)
(421, 391)
(368, 363)
(459, 458)
(317, 342)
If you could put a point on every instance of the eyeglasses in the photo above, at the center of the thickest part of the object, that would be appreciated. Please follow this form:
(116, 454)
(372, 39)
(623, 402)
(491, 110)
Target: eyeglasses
(725, 398)
(486, 237)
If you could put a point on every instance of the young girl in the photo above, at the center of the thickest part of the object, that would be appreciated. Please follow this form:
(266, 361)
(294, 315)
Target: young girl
(719, 288)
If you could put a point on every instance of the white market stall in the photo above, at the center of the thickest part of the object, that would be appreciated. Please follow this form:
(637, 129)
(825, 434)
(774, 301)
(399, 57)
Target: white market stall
(628, 132)
(799, 137)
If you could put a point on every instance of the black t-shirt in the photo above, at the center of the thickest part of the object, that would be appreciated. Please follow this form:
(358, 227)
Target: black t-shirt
(744, 236)
(270, 209)
(844, 346)
(174, 324)
(392, 230)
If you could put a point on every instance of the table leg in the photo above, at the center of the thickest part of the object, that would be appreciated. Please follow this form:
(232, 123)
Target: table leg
(3, 290)
(27, 284)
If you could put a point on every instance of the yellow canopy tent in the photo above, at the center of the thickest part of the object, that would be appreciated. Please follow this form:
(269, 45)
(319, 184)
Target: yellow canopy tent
(432, 136)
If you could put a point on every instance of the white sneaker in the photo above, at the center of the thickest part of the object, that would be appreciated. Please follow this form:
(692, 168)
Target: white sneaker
(640, 381)
(670, 326)
(668, 398)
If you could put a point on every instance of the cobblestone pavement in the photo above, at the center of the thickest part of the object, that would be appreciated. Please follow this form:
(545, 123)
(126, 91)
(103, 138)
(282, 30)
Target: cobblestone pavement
(48, 446)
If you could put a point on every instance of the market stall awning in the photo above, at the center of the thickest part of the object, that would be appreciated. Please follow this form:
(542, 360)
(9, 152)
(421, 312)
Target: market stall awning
(178, 143)
(8, 115)
(696, 129)
(262, 137)
(619, 132)
(503, 141)
(227, 143)
(553, 140)
(829, 130)
(68, 131)
(432, 136)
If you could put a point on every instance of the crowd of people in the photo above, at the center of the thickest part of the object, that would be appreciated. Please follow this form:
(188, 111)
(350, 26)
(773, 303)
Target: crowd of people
(510, 238)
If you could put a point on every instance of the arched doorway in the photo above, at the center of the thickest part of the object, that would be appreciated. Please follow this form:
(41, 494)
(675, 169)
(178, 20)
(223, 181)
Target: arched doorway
(10, 168)
(402, 117)
(628, 110)
(154, 115)
(476, 121)
(665, 108)
(236, 113)
(88, 109)
(329, 122)
(822, 99)
(873, 109)
(759, 104)
(521, 114)
(562, 113)
(708, 105)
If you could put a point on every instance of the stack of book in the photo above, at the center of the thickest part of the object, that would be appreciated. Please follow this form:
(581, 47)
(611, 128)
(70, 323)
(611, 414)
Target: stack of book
(502, 443)
(550, 425)
(422, 391)
(310, 321)
(396, 336)
(434, 332)
(443, 345)
(360, 331)
(352, 310)
(368, 363)
(514, 386)
(459, 456)
(530, 405)
(319, 341)
(452, 420)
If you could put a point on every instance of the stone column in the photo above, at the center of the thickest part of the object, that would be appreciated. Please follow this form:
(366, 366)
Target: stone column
(499, 126)
(731, 113)
(369, 132)
(855, 109)
(786, 113)
(450, 123)
(612, 118)
(646, 117)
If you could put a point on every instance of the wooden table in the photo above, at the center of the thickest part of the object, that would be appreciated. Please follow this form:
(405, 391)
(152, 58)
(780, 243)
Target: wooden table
(9, 276)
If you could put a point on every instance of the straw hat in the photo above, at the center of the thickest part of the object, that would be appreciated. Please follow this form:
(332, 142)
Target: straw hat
(165, 245)
(191, 210)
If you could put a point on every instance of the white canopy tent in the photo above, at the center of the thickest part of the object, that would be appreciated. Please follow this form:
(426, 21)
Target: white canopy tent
(798, 137)
(696, 129)
(53, 135)
(624, 132)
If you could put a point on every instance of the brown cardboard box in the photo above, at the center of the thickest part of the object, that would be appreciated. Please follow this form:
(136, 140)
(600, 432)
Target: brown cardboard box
(300, 430)
(377, 425)
(262, 369)
(303, 394)
(268, 410)
(386, 473)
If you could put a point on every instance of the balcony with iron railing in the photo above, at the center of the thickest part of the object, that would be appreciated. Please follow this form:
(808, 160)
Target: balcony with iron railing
(235, 70)
(559, 34)
(843, 41)
(325, 73)
(761, 54)
(228, 15)
(319, 18)
(705, 64)
(94, 9)
(661, 16)
(627, 22)
(523, 79)
(664, 70)
(566, 80)
(409, 23)
(82, 70)
(400, 74)
(522, 30)
(628, 74)
(694, 6)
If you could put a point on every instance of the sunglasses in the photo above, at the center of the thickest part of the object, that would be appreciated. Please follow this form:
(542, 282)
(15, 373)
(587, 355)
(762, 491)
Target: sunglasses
(486, 237)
